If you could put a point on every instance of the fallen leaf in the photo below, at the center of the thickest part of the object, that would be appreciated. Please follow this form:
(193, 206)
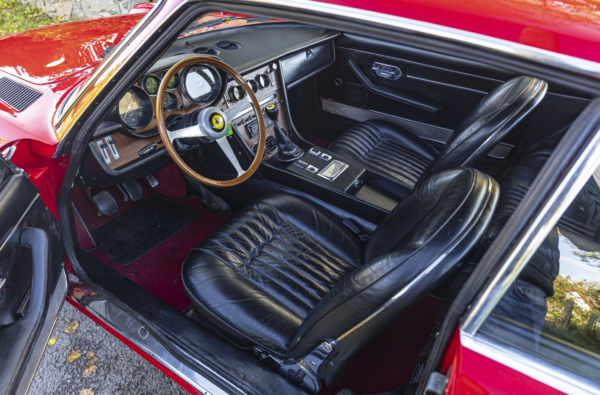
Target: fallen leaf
(52, 341)
(72, 327)
(56, 62)
(86, 392)
(88, 372)
(90, 354)
(92, 361)
(73, 355)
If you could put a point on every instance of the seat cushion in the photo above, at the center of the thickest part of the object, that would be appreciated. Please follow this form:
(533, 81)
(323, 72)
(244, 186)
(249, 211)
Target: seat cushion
(386, 149)
(258, 276)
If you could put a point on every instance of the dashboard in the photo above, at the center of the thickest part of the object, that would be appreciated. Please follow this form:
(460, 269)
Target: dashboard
(130, 137)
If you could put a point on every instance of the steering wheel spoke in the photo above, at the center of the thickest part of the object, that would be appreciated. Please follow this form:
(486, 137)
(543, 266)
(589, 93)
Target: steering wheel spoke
(224, 144)
(189, 132)
(233, 111)
(214, 122)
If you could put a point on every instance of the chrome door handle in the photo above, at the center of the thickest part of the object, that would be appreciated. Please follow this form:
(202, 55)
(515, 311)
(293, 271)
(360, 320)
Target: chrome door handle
(386, 71)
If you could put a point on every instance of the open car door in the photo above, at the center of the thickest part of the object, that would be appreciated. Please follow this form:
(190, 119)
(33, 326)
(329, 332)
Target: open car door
(33, 282)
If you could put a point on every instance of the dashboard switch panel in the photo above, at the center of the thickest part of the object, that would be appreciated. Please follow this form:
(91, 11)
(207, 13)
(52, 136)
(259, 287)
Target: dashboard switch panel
(103, 148)
(112, 147)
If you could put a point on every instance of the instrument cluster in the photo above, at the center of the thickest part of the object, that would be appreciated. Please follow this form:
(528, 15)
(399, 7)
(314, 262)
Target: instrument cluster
(200, 84)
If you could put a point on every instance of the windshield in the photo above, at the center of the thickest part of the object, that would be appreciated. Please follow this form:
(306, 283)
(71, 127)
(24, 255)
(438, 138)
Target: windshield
(222, 20)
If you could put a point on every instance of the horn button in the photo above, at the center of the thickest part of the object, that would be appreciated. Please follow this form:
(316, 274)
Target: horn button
(213, 123)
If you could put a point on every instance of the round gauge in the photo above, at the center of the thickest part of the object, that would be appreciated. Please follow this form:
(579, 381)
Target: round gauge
(236, 93)
(173, 82)
(201, 84)
(135, 109)
(170, 102)
(150, 84)
(263, 81)
(253, 85)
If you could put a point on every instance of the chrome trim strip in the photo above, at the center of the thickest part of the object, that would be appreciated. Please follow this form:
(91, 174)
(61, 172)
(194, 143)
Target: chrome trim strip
(530, 365)
(534, 235)
(125, 325)
(560, 61)
(249, 108)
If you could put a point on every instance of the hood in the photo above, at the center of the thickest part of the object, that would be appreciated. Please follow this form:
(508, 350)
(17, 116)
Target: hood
(61, 51)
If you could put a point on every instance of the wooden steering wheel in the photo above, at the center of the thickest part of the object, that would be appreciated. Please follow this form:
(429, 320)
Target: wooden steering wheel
(213, 123)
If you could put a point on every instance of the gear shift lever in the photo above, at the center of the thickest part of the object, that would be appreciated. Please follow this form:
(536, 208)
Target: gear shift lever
(288, 150)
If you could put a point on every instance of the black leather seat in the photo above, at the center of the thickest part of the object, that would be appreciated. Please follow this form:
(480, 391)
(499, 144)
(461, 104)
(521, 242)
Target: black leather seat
(283, 276)
(398, 154)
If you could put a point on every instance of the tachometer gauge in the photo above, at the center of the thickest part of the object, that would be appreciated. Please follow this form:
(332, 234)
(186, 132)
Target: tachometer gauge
(150, 84)
(173, 82)
(170, 102)
(201, 84)
(135, 109)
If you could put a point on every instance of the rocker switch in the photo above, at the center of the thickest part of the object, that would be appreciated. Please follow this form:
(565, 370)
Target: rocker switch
(112, 147)
(103, 148)
(314, 152)
(326, 157)
(311, 169)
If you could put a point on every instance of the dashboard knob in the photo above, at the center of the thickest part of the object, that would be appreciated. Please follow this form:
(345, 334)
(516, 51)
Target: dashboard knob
(236, 93)
(263, 81)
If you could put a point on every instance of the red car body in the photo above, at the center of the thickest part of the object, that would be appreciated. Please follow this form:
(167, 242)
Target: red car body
(69, 53)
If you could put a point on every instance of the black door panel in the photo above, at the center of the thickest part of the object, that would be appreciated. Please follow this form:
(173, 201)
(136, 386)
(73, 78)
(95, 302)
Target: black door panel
(31, 264)
(336, 99)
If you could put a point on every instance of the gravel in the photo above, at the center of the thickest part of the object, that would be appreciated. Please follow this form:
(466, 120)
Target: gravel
(119, 369)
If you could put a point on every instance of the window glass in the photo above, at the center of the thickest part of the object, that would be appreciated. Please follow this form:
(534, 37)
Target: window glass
(553, 308)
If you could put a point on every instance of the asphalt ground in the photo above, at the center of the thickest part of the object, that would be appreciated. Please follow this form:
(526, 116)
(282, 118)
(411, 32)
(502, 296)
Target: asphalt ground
(119, 370)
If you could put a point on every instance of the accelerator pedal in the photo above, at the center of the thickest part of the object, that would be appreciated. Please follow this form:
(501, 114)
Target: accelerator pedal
(104, 202)
(130, 190)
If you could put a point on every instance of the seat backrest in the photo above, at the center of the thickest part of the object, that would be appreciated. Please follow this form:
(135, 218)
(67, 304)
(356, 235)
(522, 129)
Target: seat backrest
(488, 123)
(420, 242)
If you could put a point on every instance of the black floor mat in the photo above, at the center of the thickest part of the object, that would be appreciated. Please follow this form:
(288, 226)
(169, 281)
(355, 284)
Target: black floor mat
(137, 231)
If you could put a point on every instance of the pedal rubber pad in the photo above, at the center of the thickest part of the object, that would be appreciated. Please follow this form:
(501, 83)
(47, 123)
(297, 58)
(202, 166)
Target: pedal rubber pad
(105, 203)
(133, 190)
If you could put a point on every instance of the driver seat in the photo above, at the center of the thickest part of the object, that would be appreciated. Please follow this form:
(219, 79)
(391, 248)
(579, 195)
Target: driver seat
(288, 280)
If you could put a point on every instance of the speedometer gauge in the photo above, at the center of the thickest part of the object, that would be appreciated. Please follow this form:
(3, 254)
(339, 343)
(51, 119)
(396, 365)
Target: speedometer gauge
(201, 84)
(135, 109)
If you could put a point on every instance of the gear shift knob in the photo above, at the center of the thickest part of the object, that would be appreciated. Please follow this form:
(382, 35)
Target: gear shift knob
(272, 111)
(288, 150)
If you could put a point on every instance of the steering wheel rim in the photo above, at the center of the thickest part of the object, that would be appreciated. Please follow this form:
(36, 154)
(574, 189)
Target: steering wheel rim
(203, 128)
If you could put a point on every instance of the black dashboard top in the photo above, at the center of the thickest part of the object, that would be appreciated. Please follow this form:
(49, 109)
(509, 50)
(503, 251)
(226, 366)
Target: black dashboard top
(258, 44)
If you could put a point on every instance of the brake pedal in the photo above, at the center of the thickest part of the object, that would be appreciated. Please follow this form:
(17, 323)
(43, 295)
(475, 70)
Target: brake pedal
(104, 202)
(131, 190)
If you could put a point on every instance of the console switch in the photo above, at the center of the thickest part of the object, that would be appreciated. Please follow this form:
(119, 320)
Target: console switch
(314, 152)
(311, 169)
(301, 164)
(325, 157)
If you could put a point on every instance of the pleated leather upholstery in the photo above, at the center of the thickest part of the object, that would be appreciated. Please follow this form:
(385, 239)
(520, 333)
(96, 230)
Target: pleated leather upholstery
(288, 255)
(283, 275)
(399, 154)
(385, 148)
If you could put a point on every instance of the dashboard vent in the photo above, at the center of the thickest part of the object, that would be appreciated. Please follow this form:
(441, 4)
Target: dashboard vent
(16, 95)
(228, 45)
(206, 51)
(271, 144)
